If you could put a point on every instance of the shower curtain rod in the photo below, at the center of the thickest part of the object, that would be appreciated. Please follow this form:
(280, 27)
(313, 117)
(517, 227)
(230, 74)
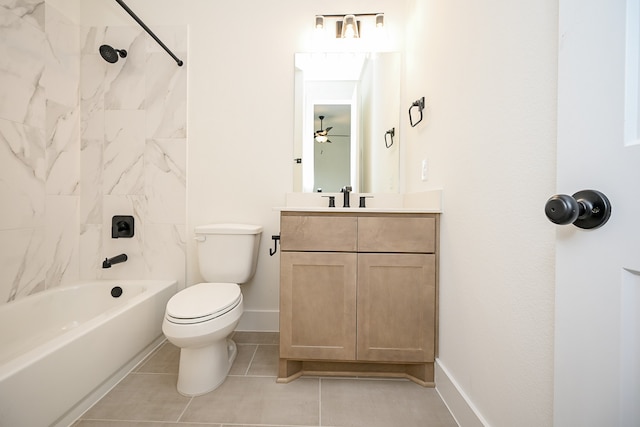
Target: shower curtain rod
(142, 24)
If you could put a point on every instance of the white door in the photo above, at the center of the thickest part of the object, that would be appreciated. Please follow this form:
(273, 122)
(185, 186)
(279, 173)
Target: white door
(597, 333)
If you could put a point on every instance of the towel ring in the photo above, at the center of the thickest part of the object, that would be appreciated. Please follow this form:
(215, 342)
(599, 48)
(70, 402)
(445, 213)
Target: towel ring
(416, 104)
(391, 132)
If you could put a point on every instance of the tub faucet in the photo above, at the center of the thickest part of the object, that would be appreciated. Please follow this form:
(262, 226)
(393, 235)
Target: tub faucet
(346, 190)
(108, 262)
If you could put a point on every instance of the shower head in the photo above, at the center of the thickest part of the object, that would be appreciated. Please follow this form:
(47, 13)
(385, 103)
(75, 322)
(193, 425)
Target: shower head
(110, 54)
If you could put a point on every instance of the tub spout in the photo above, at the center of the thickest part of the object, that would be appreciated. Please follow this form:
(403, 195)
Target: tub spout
(108, 262)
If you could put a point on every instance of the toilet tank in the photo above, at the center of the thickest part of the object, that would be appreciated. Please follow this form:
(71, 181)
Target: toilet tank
(228, 252)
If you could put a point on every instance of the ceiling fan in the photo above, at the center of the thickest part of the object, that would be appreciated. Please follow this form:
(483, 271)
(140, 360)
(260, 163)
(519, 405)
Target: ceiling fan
(322, 134)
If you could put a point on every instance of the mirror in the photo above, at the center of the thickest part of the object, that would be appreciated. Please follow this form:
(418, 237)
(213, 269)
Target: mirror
(358, 97)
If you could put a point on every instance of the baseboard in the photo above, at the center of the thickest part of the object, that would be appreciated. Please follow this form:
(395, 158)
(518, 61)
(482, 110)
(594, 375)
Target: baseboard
(459, 404)
(259, 321)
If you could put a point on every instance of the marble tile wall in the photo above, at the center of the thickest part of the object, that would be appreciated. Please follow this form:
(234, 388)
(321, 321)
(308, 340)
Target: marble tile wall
(82, 140)
(133, 152)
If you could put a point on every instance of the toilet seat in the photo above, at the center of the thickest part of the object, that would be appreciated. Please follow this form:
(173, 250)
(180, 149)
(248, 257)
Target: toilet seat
(203, 302)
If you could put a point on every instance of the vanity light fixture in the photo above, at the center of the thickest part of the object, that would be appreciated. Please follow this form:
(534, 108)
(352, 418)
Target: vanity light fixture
(348, 26)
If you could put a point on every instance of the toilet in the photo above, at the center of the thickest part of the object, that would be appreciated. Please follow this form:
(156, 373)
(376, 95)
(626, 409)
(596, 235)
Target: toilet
(200, 318)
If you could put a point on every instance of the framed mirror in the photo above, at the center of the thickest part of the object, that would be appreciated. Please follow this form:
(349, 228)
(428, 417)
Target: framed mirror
(358, 96)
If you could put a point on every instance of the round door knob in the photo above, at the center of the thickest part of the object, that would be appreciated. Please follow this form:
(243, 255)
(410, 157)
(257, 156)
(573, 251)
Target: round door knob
(562, 209)
(585, 209)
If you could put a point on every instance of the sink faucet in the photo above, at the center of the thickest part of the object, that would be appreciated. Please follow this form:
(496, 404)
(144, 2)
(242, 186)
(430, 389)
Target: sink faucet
(108, 262)
(345, 191)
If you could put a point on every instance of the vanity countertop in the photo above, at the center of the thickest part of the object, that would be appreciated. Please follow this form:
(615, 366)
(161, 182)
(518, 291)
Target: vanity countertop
(421, 202)
(354, 209)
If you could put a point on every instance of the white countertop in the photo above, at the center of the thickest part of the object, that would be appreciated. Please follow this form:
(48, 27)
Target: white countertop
(421, 202)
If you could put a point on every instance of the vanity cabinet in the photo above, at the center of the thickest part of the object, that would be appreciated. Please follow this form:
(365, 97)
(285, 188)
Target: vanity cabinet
(358, 294)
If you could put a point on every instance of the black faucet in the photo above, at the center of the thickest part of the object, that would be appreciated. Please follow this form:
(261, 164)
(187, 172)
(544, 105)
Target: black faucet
(108, 262)
(345, 191)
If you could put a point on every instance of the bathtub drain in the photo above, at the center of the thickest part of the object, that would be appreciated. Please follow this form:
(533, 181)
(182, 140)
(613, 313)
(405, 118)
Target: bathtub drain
(116, 291)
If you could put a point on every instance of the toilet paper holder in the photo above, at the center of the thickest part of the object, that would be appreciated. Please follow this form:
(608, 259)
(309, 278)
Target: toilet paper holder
(275, 238)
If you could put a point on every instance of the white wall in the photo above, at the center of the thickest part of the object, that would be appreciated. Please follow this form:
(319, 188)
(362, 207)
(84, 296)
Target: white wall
(488, 73)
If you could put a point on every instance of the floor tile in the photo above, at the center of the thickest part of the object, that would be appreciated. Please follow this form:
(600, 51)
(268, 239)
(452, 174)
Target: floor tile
(381, 403)
(148, 397)
(243, 360)
(258, 400)
(165, 360)
(250, 397)
(105, 423)
(256, 337)
(265, 361)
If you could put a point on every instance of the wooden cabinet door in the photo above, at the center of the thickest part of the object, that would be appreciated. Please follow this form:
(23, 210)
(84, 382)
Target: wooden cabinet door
(396, 307)
(318, 305)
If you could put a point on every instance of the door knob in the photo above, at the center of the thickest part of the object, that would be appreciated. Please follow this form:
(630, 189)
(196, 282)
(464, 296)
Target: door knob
(585, 209)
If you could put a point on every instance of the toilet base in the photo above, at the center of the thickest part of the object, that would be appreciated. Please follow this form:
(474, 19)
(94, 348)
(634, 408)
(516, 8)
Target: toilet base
(204, 369)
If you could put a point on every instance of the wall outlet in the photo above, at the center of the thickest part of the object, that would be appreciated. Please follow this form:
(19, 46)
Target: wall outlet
(424, 170)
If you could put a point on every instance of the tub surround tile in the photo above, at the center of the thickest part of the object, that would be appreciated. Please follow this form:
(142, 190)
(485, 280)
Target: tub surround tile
(61, 76)
(23, 175)
(32, 11)
(165, 165)
(166, 101)
(127, 89)
(175, 37)
(63, 149)
(23, 256)
(62, 240)
(138, 172)
(21, 97)
(91, 192)
(91, 254)
(124, 146)
(74, 147)
(165, 251)
(117, 36)
(92, 109)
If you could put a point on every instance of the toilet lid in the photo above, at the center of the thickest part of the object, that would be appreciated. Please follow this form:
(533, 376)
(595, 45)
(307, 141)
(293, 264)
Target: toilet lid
(203, 301)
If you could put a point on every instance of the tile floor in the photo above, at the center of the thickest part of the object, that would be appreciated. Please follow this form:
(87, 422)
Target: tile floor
(250, 397)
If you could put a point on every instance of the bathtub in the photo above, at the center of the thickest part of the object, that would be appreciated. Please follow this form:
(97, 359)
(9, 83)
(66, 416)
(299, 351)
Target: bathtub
(63, 348)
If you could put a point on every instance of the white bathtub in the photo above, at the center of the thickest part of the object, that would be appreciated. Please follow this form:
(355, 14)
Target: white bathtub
(62, 349)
